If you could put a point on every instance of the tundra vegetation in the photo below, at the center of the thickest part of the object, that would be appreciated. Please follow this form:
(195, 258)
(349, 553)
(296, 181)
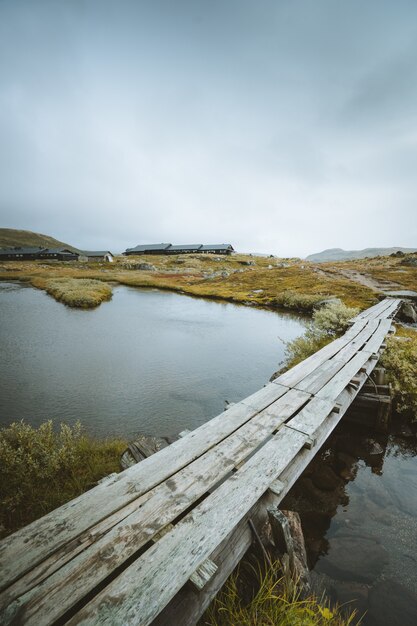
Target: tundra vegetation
(85, 293)
(44, 467)
(257, 281)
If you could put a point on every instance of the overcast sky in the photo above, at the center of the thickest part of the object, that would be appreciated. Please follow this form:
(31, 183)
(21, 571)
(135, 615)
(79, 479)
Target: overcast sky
(280, 126)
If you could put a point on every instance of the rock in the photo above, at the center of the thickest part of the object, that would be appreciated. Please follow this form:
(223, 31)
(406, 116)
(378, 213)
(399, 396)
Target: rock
(325, 478)
(374, 447)
(391, 604)
(411, 261)
(146, 266)
(247, 262)
(257, 291)
(354, 558)
(408, 313)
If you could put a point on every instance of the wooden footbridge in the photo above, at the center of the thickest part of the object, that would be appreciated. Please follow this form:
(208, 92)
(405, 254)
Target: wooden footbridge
(155, 543)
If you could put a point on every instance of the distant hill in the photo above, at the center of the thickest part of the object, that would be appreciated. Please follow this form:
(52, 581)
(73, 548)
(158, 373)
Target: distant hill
(10, 238)
(338, 254)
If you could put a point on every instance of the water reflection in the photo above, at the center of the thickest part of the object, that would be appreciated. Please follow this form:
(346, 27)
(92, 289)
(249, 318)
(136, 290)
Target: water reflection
(358, 506)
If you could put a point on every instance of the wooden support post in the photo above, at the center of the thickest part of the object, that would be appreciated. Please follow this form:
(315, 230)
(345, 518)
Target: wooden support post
(288, 538)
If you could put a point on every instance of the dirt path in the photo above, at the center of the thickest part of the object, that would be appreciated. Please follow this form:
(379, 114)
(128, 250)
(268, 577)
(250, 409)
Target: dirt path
(379, 286)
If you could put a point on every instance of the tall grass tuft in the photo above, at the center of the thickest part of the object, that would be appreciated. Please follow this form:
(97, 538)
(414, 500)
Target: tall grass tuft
(276, 602)
(42, 468)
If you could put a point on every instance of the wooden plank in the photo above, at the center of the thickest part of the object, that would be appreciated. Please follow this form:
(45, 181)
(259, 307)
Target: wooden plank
(374, 344)
(66, 523)
(312, 416)
(293, 471)
(167, 566)
(375, 311)
(264, 397)
(140, 521)
(336, 385)
(358, 342)
(187, 606)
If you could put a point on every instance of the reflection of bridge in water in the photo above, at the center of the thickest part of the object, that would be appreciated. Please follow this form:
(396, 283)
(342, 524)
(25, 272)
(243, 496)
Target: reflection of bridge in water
(126, 551)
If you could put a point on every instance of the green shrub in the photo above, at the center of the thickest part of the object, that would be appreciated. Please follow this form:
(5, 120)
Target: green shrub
(328, 322)
(400, 361)
(41, 468)
(299, 301)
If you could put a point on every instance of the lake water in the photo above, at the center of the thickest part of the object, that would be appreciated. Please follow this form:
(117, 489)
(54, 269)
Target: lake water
(150, 362)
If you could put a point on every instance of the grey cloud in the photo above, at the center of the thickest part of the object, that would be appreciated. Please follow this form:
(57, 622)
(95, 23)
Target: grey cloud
(264, 124)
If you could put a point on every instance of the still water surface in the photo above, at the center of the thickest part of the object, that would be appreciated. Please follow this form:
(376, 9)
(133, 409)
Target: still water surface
(148, 362)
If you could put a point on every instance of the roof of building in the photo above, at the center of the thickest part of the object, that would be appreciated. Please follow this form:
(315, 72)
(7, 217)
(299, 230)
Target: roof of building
(58, 251)
(22, 250)
(95, 252)
(218, 246)
(187, 246)
(149, 246)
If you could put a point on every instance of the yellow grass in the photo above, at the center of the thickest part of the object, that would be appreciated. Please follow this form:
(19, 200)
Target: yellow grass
(267, 282)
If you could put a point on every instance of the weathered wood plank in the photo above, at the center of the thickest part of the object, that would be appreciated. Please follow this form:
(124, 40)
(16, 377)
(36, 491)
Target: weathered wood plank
(293, 471)
(377, 339)
(140, 521)
(336, 385)
(187, 606)
(167, 566)
(312, 416)
(70, 520)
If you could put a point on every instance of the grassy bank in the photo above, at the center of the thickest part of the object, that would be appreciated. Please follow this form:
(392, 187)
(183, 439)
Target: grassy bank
(42, 468)
(84, 293)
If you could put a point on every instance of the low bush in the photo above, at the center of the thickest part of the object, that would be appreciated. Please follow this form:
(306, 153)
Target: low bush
(400, 361)
(42, 468)
(328, 322)
(298, 301)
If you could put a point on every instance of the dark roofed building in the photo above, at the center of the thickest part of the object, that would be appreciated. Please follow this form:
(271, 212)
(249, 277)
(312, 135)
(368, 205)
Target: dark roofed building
(153, 248)
(59, 254)
(217, 248)
(187, 248)
(20, 254)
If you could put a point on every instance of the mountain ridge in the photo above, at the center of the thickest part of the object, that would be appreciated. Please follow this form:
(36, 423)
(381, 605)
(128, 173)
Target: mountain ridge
(339, 254)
